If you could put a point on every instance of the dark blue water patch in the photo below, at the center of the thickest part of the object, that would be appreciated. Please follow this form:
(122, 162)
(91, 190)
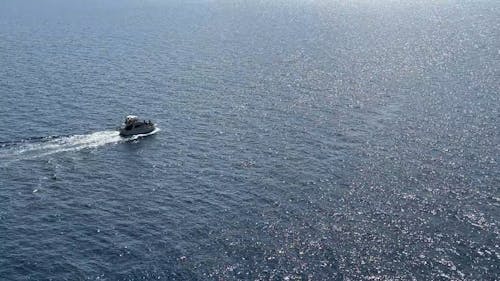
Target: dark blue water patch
(318, 141)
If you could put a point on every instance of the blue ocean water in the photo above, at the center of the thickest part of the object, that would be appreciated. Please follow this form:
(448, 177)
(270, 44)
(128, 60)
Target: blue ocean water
(299, 140)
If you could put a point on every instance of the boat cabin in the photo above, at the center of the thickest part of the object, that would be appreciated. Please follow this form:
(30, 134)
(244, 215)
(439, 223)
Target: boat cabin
(131, 119)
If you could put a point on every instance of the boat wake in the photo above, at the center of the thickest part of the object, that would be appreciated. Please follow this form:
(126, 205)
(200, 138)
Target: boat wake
(36, 147)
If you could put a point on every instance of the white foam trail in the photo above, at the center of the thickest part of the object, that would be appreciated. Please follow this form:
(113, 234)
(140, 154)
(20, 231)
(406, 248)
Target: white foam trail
(65, 144)
(78, 142)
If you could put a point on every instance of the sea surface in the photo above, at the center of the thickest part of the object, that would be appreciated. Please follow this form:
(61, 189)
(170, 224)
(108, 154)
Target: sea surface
(298, 140)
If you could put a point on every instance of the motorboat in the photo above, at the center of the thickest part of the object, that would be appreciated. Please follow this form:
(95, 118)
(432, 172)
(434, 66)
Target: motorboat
(133, 126)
